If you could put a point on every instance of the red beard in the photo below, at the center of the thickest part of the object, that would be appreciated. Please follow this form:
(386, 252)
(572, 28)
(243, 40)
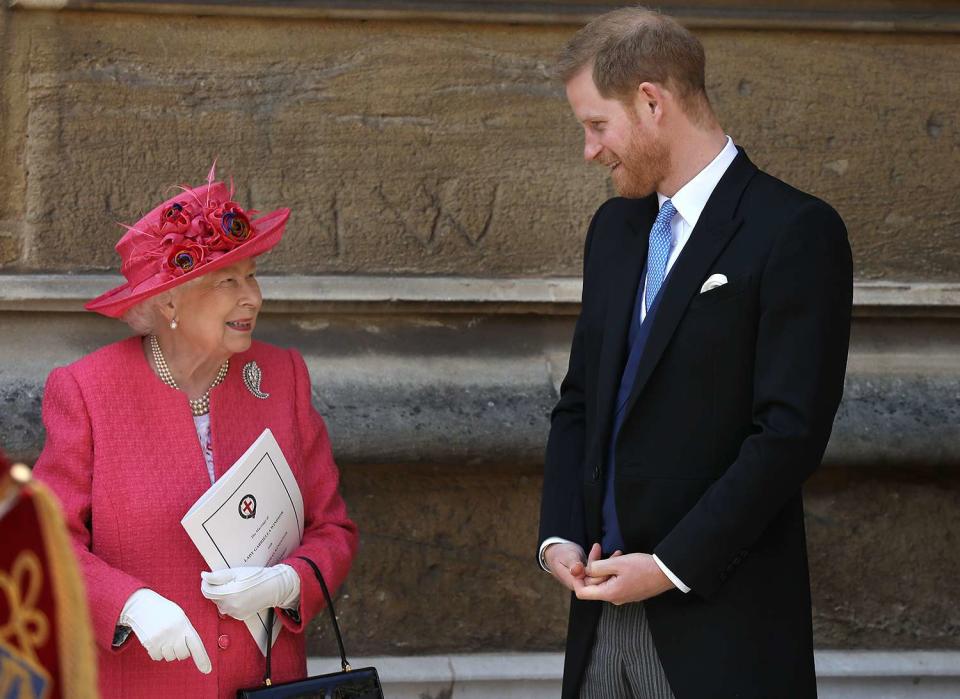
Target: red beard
(642, 167)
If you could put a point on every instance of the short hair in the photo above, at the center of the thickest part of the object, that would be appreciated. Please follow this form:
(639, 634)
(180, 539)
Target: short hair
(633, 45)
(144, 316)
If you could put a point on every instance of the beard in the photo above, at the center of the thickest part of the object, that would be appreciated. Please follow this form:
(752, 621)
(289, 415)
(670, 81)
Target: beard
(643, 166)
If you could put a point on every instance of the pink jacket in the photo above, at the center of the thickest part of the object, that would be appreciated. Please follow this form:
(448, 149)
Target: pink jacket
(123, 456)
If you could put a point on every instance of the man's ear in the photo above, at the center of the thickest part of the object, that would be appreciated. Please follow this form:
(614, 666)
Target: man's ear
(648, 100)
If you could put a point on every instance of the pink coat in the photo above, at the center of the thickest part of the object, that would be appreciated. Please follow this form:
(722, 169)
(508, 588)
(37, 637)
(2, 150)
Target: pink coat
(123, 455)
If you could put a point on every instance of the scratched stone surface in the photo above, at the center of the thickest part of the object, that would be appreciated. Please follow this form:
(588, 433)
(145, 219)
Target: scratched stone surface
(438, 148)
(445, 561)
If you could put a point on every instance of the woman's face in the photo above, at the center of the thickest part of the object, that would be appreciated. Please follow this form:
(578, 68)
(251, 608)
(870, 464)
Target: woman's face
(217, 315)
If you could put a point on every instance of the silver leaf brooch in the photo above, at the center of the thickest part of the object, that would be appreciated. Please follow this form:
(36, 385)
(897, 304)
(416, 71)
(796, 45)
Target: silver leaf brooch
(252, 377)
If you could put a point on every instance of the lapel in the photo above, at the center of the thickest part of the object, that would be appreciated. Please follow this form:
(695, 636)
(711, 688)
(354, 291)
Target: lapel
(631, 256)
(715, 227)
(236, 417)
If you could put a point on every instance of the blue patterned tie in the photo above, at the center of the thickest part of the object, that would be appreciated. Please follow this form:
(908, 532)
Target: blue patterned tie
(658, 251)
(657, 255)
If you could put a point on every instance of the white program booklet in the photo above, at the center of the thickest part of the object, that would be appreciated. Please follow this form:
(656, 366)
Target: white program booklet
(252, 516)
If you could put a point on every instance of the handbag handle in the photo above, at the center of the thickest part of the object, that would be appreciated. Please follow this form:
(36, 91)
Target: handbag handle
(333, 615)
(333, 620)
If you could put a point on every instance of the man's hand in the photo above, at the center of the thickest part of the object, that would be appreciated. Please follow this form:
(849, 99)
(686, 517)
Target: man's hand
(568, 564)
(596, 554)
(630, 578)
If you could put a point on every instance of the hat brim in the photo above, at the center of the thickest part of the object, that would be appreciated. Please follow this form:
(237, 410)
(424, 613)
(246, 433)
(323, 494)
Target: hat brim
(269, 228)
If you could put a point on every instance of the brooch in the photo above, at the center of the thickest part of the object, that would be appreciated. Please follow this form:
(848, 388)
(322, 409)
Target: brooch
(252, 377)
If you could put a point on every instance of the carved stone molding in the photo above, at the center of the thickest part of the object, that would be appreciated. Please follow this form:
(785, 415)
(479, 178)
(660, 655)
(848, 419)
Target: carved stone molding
(852, 15)
(363, 294)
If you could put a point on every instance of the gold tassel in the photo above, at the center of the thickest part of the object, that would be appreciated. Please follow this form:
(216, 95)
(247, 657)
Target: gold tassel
(74, 634)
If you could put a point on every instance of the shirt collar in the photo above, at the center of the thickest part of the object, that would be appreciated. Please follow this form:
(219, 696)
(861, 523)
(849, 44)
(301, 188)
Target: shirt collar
(691, 198)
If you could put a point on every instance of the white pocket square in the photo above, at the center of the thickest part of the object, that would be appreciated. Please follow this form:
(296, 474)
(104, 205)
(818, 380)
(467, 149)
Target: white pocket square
(713, 282)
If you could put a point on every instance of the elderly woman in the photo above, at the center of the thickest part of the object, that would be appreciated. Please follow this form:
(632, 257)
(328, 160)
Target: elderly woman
(138, 430)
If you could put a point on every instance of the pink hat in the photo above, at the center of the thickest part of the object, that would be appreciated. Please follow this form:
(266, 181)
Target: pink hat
(198, 231)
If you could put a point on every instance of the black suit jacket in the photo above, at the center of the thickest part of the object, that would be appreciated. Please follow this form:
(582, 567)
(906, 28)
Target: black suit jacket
(731, 411)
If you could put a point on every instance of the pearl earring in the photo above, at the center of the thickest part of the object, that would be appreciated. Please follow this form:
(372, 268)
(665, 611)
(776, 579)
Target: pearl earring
(173, 324)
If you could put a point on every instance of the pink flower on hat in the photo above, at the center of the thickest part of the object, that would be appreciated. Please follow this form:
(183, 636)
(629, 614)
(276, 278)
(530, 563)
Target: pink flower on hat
(229, 225)
(182, 256)
(175, 218)
(235, 226)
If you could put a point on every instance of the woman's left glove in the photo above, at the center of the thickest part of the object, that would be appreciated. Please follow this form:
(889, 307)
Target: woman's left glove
(242, 592)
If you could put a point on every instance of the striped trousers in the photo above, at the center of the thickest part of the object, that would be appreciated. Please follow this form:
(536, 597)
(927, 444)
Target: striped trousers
(624, 663)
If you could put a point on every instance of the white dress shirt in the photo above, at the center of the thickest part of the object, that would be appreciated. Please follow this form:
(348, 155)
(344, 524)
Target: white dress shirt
(689, 201)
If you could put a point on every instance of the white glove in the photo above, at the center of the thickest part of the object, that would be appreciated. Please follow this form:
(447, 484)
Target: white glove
(163, 629)
(242, 592)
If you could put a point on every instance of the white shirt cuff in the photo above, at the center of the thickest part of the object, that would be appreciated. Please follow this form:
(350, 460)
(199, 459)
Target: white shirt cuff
(545, 544)
(560, 540)
(673, 578)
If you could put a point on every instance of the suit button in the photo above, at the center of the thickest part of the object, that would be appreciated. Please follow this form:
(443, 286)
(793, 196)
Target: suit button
(596, 473)
(223, 641)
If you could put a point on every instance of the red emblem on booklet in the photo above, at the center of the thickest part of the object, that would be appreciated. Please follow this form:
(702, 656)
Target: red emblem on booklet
(248, 506)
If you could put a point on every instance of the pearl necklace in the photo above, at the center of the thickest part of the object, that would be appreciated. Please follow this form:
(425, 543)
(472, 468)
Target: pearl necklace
(200, 406)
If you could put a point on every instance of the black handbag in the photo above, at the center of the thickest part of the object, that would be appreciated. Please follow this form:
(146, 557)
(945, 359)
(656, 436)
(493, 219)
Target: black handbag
(361, 683)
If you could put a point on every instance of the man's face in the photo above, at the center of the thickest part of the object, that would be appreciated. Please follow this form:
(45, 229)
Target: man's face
(618, 138)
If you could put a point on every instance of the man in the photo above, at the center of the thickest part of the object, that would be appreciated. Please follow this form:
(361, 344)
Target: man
(706, 368)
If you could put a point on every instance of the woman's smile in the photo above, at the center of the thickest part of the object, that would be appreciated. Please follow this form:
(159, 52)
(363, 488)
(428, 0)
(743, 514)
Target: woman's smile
(244, 325)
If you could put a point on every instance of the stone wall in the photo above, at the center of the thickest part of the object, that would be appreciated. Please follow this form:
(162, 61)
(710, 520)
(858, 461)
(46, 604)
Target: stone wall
(439, 148)
(440, 154)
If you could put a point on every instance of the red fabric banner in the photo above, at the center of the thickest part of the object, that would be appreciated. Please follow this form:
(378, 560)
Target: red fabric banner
(46, 648)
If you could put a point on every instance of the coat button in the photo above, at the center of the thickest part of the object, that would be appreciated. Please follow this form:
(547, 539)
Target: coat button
(223, 641)
(596, 473)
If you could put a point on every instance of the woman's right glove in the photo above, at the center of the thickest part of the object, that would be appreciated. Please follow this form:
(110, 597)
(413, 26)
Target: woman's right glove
(245, 591)
(163, 629)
